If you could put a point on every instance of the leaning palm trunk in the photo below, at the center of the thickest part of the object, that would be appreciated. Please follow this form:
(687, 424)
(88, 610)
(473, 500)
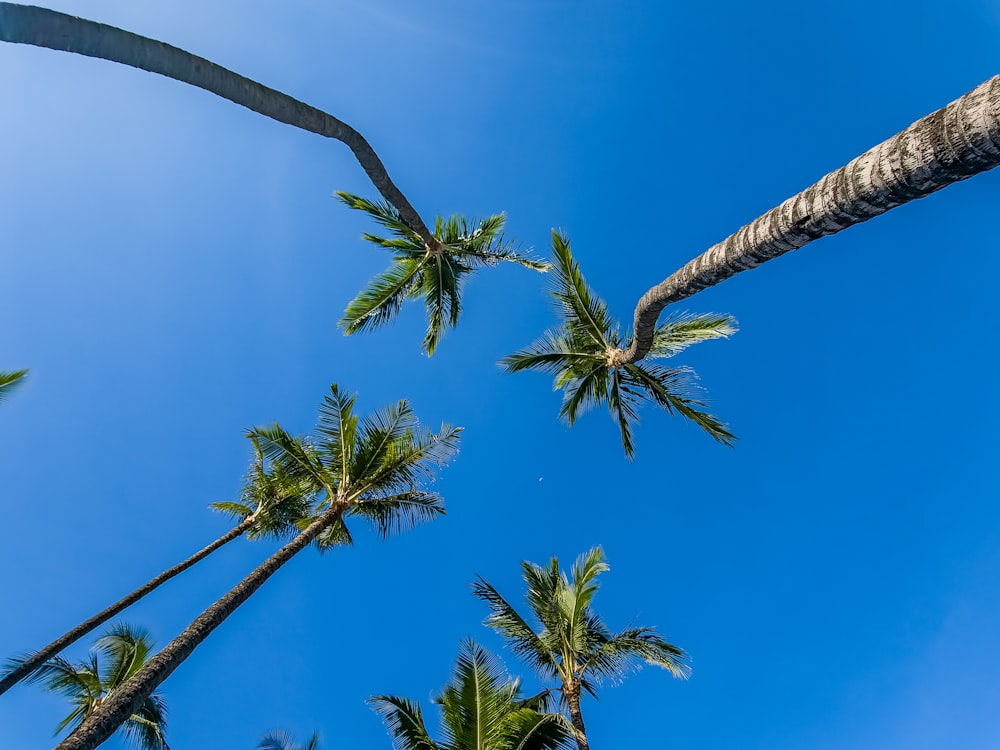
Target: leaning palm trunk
(123, 702)
(39, 658)
(26, 24)
(952, 144)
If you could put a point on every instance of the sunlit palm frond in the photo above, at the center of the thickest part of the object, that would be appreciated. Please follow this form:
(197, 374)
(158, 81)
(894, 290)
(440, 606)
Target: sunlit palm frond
(523, 640)
(146, 726)
(380, 302)
(584, 314)
(9, 380)
(383, 213)
(279, 739)
(125, 649)
(554, 354)
(680, 331)
(441, 289)
(622, 652)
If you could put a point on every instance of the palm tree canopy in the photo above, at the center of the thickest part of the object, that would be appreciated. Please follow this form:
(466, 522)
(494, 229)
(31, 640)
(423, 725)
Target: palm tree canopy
(371, 467)
(481, 709)
(418, 270)
(117, 655)
(9, 380)
(583, 353)
(568, 641)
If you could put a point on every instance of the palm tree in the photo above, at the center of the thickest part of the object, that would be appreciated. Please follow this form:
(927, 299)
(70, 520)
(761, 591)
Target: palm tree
(41, 27)
(481, 709)
(583, 355)
(954, 143)
(281, 740)
(88, 684)
(433, 273)
(9, 381)
(570, 642)
(271, 507)
(369, 468)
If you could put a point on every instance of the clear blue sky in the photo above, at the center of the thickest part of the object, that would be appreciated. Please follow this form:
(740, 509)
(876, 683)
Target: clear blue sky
(174, 267)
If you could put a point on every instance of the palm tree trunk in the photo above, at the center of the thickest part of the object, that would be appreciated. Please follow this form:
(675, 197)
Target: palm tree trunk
(572, 694)
(25, 24)
(952, 144)
(125, 700)
(38, 658)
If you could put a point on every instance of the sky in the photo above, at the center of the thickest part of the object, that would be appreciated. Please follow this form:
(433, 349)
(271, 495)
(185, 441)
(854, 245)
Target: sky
(174, 267)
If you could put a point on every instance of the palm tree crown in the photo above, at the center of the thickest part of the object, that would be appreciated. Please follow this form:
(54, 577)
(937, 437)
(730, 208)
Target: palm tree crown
(569, 642)
(481, 709)
(282, 740)
(421, 270)
(87, 684)
(367, 467)
(584, 354)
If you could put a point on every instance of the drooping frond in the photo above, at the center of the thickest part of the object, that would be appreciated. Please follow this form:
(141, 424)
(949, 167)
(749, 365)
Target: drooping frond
(380, 302)
(397, 514)
(405, 722)
(125, 649)
(441, 289)
(523, 640)
(9, 381)
(624, 652)
(383, 213)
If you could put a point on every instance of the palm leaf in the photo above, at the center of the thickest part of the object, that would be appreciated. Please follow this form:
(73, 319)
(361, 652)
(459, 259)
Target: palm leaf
(505, 619)
(379, 303)
(672, 388)
(680, 331)
(404, 721)
(399, 513)
(383, 213)
(582, 312)
(9, 380)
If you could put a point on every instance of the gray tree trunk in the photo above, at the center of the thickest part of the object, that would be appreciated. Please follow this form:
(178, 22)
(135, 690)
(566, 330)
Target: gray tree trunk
(952, 144)
(26, 24)
(125, 700)
(38, 658)
(572, 693)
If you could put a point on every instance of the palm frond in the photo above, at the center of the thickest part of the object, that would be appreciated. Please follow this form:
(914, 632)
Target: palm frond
(376, 435)
(146, 726)
(554, 354)
(680, 331)
(405, 722)
(9, 380)
(521, 637)
(626, 651)
(125, 649)
(673, 389)
(441, 289)
(383, 213)
(399, 513)
(380, 301)
(582, 312)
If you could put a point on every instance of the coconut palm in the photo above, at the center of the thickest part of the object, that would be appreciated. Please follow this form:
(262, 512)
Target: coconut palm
(282, 740)
(581, 353)
(117, 655)
(271, 505)
(9, 381)
(368, 468)
(569, 642)
(434, 273)
(481, 709)
(25, 24)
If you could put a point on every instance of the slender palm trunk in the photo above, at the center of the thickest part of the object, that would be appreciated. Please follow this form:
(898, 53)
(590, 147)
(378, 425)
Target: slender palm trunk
(572, 693)
(952, 144)
(125, 700)
(26, 24)
(38, 658)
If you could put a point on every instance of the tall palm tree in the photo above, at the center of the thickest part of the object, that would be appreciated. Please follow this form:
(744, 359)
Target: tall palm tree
(270, 506)
(569, 642)
(9, 380)
(481, 709)
(954, 143)
(117, 655)
(369, 468)
(41, 27)
(434, 273)
(282, 740)
(583, 351)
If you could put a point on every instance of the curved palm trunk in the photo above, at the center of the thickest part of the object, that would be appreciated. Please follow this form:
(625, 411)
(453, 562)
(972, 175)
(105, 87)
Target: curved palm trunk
(26, 24)
(124, 701)
(952, 144)
(572, 694)
(39, 658)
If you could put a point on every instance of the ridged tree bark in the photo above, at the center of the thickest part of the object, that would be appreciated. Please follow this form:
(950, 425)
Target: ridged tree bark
(38, 658)
(952, 144)
(123, 702)
(571, 692)
(41, 27)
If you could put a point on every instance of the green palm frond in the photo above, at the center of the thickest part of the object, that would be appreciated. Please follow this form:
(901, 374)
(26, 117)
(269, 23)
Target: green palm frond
(279, 739)
(9, 380)
(405, 722)
(524, 642)
(434, 274)
(398, 514)
(580, 356)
